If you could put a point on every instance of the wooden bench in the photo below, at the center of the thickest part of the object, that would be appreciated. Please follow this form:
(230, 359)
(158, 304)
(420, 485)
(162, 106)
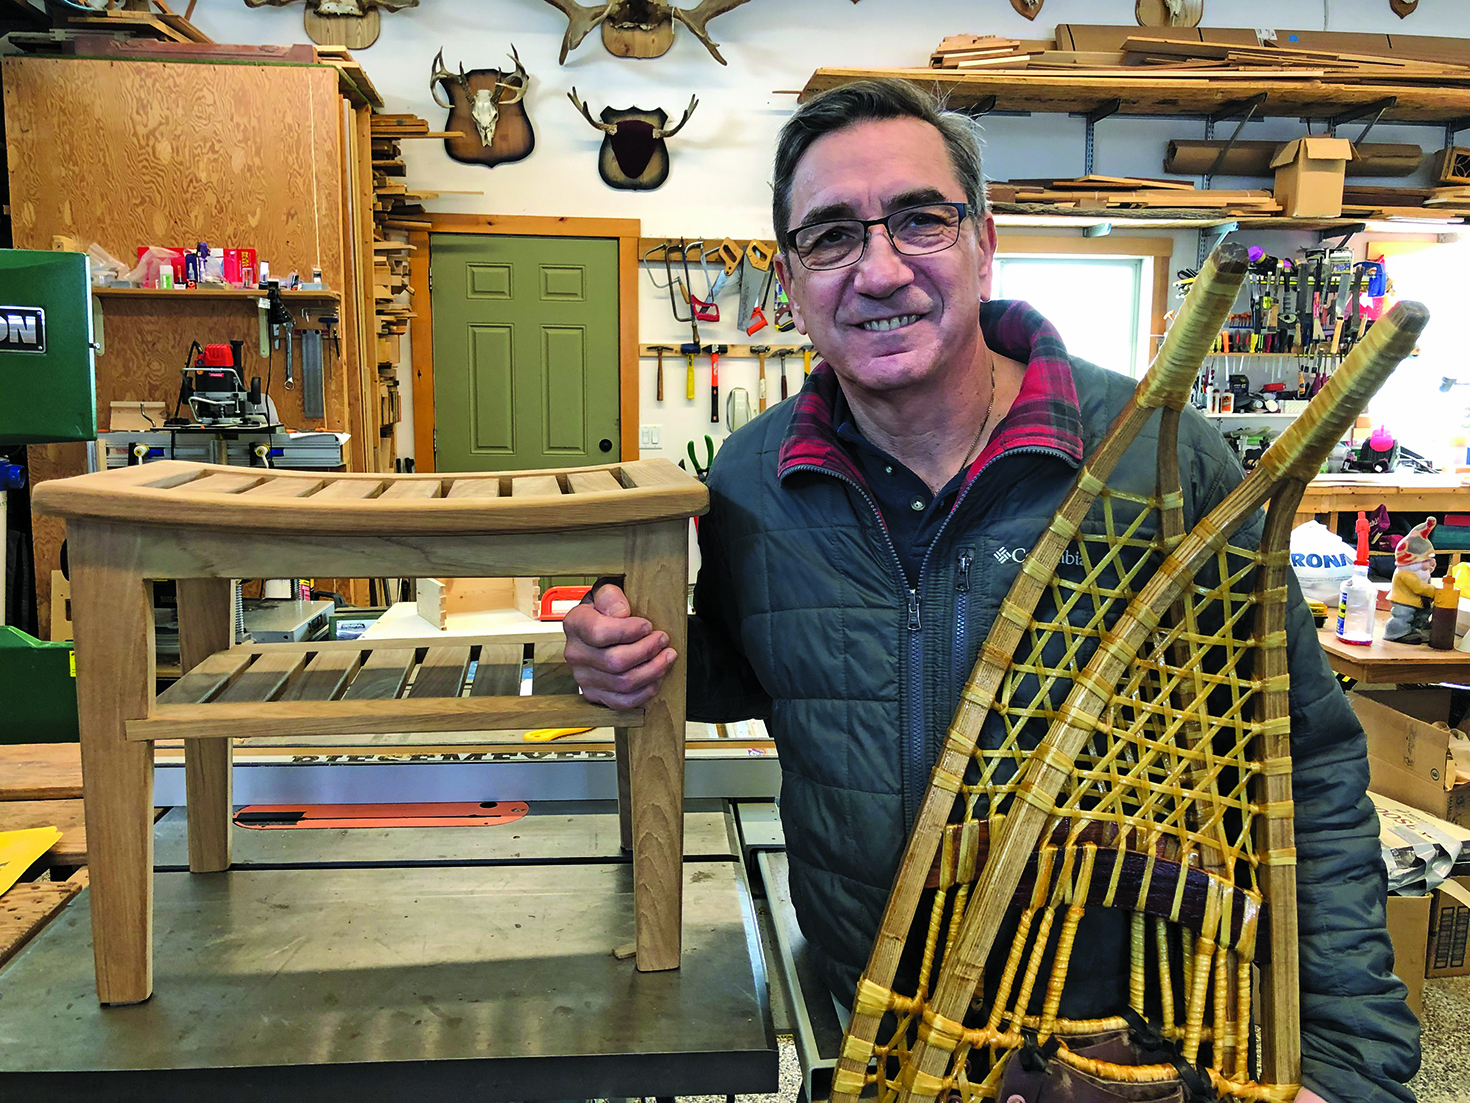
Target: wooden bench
(205, 525)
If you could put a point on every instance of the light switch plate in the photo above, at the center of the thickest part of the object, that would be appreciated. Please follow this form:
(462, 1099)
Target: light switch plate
(650, 436)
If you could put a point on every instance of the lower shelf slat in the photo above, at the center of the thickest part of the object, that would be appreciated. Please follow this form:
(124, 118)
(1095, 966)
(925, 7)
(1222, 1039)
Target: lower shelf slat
(496, 716)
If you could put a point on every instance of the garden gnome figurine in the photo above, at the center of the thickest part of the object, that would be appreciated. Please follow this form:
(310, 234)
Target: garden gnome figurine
(1411, 599)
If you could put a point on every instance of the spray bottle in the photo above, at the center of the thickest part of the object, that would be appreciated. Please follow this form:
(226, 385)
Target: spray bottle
(1358, 597)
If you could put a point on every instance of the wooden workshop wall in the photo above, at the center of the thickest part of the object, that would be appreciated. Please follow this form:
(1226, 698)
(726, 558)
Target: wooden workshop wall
(126, 153)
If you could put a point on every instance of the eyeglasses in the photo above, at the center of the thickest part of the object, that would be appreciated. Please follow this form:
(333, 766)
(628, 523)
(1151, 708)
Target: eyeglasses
(914, 231)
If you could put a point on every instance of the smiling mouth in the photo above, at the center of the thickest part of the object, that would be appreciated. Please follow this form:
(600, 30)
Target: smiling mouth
(883, 325)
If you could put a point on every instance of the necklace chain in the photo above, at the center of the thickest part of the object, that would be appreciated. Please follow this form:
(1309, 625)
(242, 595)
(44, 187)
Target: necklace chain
(989, 409)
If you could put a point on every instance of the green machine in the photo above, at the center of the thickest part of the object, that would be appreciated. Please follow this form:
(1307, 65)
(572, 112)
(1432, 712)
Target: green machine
(48, 394)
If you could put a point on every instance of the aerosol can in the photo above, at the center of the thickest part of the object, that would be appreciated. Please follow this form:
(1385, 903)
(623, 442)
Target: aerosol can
(1358, 598)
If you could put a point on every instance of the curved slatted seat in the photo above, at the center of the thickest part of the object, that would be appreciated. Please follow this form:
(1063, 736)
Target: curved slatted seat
(235, 499)
(204, 525)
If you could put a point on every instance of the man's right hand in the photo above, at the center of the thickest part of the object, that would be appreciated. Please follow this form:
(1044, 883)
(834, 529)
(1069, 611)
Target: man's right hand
(618, 659)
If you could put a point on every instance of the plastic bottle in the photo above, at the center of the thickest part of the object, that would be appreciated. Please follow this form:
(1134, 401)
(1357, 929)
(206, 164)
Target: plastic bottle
(1358, 597)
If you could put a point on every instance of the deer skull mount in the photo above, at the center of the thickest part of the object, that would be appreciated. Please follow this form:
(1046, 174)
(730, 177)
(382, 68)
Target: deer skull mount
(351, 23)
(1029, 8)
(634, 155)
(485, 108)
(639, 28)
(1403, 8)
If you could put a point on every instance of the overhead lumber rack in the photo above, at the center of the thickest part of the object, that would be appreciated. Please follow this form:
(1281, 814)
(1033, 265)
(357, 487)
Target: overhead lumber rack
(1079, 93)
(1211, 99)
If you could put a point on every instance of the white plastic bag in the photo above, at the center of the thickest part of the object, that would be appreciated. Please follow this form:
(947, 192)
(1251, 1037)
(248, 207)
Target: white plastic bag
(1322, 562)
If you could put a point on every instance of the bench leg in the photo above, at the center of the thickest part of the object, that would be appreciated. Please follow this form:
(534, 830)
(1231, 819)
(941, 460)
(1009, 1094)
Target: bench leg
(656, 582)
(206, 625)
(112, 615)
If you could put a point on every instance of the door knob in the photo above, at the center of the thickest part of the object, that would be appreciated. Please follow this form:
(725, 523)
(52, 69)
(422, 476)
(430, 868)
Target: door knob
(605, 444)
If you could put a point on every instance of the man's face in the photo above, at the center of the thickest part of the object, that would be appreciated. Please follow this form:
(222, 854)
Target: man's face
(932, 303)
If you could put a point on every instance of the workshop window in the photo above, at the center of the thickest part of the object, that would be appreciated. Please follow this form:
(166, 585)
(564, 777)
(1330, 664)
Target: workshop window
(1096, 303)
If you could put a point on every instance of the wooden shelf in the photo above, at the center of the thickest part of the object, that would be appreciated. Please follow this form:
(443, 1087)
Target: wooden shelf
(1079, 93)
(209, 293)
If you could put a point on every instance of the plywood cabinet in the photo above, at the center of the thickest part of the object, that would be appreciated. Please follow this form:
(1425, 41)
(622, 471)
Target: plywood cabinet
(130, 153)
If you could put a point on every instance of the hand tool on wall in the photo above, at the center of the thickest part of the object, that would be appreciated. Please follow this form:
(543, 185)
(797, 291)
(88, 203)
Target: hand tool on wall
(784, 322)
(730, 255)
(706, 310)
(701, 473)
(659, 351)
(263, 311)
(806, 359)
(761, 352)
(714, 380)
(755, 284)
(689, 348)
(782, 354)
(669, 284)
(313, 390)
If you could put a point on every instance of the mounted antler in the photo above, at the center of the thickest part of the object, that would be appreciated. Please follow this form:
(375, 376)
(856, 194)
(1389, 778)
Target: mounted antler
(515, 83)
(441, 73)
(659, 132)
(697, 18)
(581, 18)
(606, 128)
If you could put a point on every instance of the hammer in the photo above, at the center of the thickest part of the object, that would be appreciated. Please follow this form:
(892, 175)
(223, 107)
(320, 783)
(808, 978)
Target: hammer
(689, 348)
(806, 359)
(782, 354)
(714, 380)
(760, 352)
(660, 350)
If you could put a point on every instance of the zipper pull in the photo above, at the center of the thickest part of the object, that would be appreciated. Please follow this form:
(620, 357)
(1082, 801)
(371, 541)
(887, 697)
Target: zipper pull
(962, 584)
(913, 610)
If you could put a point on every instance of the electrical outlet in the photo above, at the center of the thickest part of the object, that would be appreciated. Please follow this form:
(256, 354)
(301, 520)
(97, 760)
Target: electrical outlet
(650, 436)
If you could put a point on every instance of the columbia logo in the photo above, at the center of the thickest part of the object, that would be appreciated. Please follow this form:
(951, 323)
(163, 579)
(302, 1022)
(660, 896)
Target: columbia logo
(1070, 557)
(1003, 555)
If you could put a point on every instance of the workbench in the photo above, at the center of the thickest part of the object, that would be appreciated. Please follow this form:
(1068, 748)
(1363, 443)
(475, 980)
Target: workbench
(1392, 663)
(378, 965)
(1335, 494)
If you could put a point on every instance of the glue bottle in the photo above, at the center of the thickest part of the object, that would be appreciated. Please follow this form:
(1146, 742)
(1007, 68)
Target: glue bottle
(1358, 597)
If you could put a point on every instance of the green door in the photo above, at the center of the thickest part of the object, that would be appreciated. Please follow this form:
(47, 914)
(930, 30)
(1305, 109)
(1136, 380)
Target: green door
(525, 351)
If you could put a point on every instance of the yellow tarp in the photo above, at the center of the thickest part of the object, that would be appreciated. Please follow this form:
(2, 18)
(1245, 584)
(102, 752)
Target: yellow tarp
(18, 849)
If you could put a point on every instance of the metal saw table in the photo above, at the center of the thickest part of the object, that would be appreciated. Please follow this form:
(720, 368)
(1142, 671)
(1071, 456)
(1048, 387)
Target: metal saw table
(403, 963)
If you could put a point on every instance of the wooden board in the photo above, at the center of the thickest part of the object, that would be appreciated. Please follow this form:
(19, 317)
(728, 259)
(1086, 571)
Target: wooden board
(205, 680)
(324, 677)
(71, 848)
(29, 906)
(382, 676)
(264, 679)
(498, 671)
(550, 674)
(40, 771)
(442, 672)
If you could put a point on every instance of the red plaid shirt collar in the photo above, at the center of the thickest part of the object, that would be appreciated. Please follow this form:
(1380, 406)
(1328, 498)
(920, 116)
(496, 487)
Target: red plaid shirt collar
(1044, 415)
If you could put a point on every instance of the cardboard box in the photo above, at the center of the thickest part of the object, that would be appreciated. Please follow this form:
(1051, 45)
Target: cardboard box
(1408, 922)
(1309, 176)
(1449, 930)
(1409, 758)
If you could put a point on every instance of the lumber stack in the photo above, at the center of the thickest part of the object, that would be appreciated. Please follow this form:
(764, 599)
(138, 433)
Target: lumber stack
(1124, 193)
(1192, 60)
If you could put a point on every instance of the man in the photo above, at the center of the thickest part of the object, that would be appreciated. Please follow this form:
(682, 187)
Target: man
(849, 574)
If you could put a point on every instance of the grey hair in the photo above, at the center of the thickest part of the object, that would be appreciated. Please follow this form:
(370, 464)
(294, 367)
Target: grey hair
(862, 100)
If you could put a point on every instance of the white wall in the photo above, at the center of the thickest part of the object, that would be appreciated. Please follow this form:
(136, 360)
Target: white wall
(719, 182)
